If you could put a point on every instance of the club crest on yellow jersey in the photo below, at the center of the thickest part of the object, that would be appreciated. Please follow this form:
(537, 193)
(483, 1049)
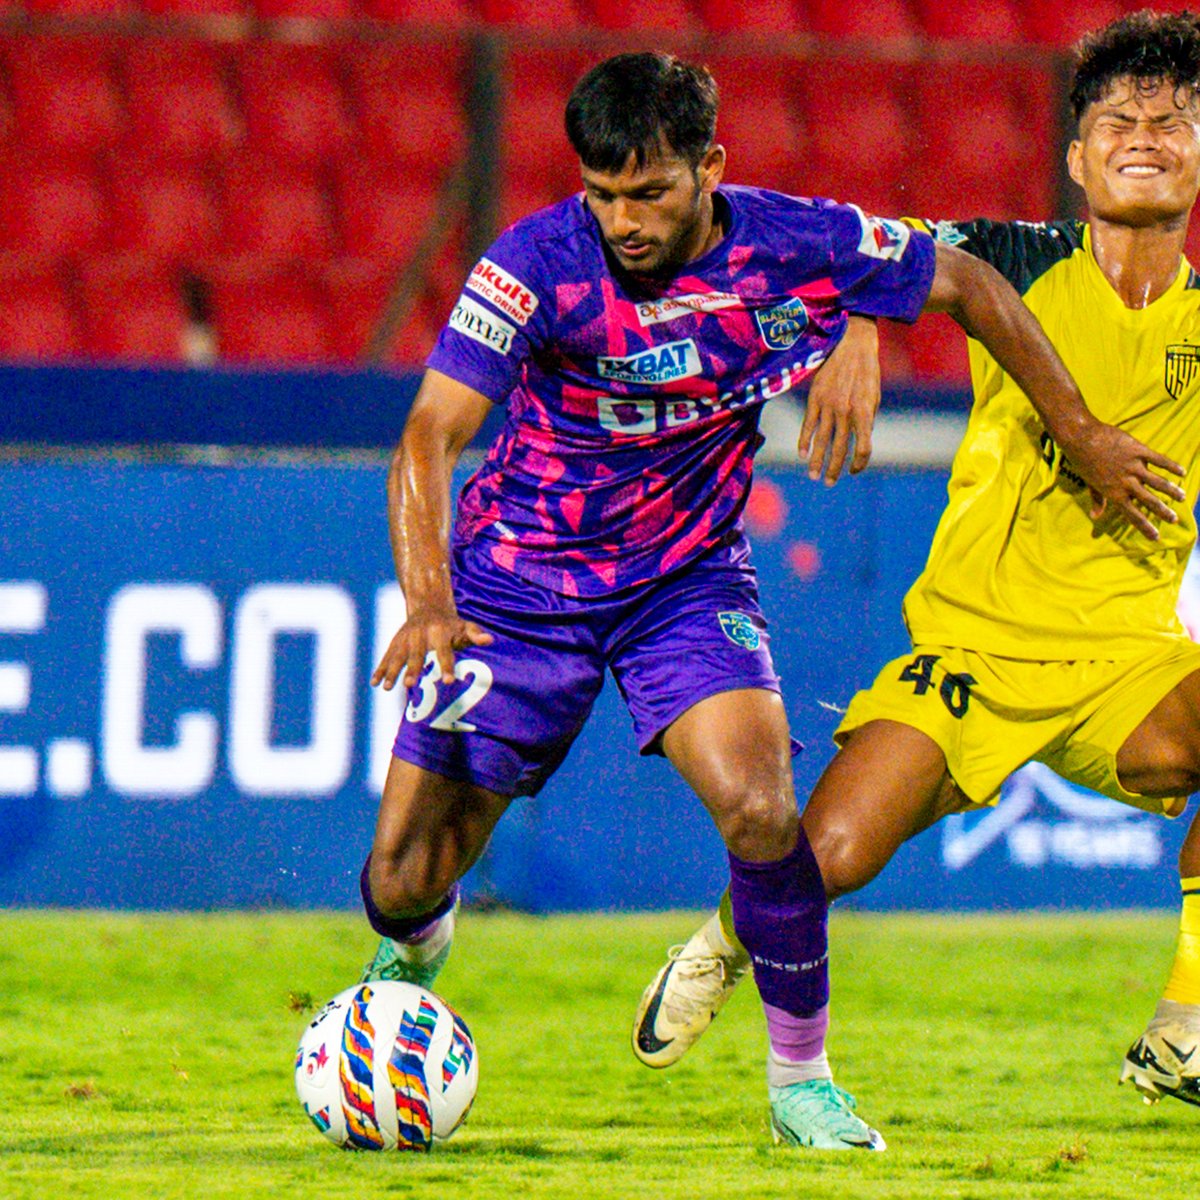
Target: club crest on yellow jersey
(1182, 367)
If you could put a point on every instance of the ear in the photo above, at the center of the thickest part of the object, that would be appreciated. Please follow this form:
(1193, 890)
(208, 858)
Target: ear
(1075, 161)
(712, 167)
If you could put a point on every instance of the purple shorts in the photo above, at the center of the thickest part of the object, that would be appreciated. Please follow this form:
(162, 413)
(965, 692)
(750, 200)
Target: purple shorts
(508, 720)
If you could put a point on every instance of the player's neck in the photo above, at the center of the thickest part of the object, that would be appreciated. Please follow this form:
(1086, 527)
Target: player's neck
(1140, 263)
(710, 229)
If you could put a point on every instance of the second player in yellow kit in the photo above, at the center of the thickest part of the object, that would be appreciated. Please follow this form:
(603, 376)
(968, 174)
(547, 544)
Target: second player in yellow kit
(1044, 627)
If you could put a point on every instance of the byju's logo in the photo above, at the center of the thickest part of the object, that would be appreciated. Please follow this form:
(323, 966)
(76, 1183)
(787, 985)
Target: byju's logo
(782, 325)
(1041, 820)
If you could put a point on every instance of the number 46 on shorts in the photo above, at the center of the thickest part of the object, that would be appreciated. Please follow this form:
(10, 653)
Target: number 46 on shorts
(955, 690)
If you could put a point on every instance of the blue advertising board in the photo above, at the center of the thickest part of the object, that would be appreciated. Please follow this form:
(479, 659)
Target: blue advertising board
(185, 720)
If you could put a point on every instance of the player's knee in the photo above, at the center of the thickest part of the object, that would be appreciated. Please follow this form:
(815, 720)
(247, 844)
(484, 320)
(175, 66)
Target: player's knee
(760, 825)
(400, 892)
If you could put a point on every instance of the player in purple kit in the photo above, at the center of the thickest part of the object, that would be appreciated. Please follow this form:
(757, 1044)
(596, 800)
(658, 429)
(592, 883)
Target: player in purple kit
(634, 334)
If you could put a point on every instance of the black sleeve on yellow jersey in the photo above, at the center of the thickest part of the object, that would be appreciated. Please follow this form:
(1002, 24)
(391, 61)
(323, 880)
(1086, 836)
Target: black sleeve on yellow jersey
(1022, 251)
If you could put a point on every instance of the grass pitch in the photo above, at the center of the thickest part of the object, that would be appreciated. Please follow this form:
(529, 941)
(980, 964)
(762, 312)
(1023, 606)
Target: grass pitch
(151, 1057)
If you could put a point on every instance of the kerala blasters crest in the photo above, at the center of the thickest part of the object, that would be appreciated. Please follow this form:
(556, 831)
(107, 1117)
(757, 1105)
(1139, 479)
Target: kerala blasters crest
(1182, 366)
(782, 325)
(740, 630)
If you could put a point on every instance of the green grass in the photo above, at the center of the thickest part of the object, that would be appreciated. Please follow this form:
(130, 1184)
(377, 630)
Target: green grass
(151, 1057)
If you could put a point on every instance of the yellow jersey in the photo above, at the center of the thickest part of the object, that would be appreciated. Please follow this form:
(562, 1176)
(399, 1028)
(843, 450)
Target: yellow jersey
(1017, 567)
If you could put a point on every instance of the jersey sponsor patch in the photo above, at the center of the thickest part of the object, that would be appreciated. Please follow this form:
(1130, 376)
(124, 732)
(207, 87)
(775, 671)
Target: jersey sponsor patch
(475, 322)
(782, 325)
(1181, 368)
(882, 237)
(503, 290)
(740, 630)
(675, 360)
(655, 312)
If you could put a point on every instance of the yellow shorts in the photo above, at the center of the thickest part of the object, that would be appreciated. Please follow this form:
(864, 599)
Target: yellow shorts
(991, 715)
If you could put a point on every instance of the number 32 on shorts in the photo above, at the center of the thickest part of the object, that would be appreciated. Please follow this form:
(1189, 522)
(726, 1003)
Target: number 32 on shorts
(955, 690)
(450, 718)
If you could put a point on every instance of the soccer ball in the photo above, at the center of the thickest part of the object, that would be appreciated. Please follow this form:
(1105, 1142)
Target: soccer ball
(387, 1066)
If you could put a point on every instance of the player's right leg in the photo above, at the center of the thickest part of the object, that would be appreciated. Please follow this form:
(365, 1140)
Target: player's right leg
(430, 831)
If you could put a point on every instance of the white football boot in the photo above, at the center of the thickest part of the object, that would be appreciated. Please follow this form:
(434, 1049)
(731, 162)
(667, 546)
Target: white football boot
(1165, 1060)
(685, 995)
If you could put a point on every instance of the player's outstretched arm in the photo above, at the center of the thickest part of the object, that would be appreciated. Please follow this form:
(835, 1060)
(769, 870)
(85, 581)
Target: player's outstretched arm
(1116, 466)
(843, 399)
(445, 416)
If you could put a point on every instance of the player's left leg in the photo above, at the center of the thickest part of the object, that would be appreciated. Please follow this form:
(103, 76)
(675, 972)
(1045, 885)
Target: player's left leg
(1162, 758)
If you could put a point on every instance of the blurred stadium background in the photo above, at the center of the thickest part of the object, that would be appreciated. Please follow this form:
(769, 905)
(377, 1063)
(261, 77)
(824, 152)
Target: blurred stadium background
(229, 232)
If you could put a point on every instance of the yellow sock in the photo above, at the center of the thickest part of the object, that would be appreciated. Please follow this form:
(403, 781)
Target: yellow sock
(725, 915)
(1184, 983)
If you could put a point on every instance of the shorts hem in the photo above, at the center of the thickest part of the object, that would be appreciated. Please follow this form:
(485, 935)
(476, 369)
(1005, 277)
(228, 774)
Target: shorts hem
(461, 774)
(652, 743)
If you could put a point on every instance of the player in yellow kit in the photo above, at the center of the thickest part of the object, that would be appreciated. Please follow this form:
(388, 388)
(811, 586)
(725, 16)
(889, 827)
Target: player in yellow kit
(1043, 627)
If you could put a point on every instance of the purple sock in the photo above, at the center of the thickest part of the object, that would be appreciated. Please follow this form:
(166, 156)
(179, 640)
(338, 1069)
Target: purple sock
(780, 912)
(402, 929)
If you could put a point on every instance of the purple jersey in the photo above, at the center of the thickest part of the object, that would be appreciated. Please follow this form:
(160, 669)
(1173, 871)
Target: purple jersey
(633, 403)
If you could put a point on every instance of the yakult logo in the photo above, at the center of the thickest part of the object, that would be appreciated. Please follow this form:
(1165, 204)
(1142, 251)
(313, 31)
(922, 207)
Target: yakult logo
(503, 290)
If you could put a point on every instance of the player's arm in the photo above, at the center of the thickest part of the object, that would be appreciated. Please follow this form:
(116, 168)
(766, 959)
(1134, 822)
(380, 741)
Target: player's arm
(1116, 466)
(445, 416)
(843, 399)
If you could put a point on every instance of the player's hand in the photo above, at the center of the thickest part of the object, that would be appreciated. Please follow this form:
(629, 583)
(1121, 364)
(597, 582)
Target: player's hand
(1117, 469)
(438, 631)
(843, 399)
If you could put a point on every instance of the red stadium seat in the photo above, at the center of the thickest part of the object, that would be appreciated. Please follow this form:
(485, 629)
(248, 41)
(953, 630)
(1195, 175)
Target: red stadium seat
(305, 10)
(1000, 162)
(532, 14)
(167, 212)
(411, 108)
(268, 317)
(133, 310)
(39, 317)
(759, 123)
(1063, 23)
(294, 106)
(356, 293)
(383, 214)
(222, 13)
(533, 139)
(179, 106)
(50, 210)
(65, 99)
(858, 120)
(271, 212)
(873, 20)
(779, 18)
(666, 15)
(447, 14)
(81, 8)
(996, 22)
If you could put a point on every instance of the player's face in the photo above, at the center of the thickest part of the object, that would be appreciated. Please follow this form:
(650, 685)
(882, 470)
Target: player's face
(1138, 155)
(658, 216)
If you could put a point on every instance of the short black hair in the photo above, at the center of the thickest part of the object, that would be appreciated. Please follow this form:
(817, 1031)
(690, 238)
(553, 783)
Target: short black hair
(628, 104)
(1149, 47)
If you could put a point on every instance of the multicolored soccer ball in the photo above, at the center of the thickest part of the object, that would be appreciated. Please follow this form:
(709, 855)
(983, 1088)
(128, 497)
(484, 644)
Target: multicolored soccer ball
(387, 1066)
